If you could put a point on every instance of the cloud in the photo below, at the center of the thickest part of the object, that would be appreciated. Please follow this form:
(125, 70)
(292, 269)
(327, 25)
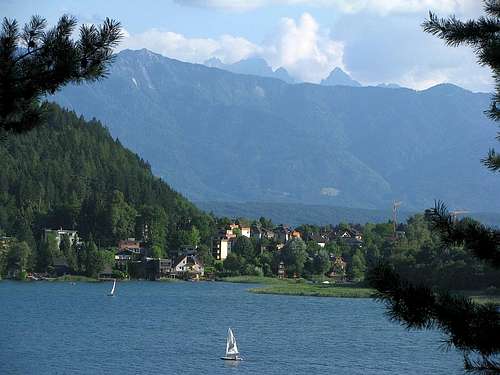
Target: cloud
(304, 49)
(397, 50)
(228, 48)
(378, 49)
(346, 6)
(301, 47)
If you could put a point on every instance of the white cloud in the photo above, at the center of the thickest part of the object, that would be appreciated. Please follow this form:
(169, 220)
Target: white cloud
(395, 51)
(346, 6)
(398, 51)
(302, 47)
(228, 48)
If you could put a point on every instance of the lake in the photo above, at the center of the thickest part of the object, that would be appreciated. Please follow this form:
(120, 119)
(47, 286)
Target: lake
(180, 328)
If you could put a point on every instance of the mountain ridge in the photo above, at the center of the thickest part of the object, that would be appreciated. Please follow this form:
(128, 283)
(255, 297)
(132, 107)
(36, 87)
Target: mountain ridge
(338, 77)
(252, 66)
(216, 135)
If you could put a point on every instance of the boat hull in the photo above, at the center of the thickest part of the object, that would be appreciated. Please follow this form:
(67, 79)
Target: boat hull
(231, 359)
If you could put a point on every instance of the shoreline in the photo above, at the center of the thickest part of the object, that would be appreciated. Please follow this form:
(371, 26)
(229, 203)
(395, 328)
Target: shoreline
(300, 287)
(287, 287)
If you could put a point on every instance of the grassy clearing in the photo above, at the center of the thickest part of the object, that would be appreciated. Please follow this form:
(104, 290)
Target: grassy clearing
(75, 278)
(299, 287)
(252, 280)
(315, 290)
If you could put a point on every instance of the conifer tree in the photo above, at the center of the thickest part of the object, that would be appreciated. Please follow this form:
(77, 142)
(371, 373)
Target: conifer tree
(472, 328)
(35, 61)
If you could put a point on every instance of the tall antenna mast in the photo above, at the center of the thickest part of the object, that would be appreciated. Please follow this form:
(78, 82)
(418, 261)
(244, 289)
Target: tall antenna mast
(395, 206)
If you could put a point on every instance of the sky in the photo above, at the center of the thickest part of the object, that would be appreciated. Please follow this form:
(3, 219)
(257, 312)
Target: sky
(375, 41)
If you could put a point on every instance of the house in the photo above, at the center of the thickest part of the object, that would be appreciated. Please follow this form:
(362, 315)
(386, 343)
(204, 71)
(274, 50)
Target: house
(267, 233)
(400, 234)
(221, 247)
(256, 231)
(5, 242)
(187, 250)
(123, 257)
(349, 233)
(163, 267)
(188, 266)
(339, 267)
(61, 267)
(106, 273)
(129, 243)
(281, 270)
(351, 237)
(233, 228)
(353, 242)
(150, 268)
(245, 231)
(58, 234)
(282, 233)
(321, 239)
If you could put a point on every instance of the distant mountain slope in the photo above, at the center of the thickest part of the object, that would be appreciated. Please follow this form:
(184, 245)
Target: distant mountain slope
(338, 77)
(389, 85)
(254, 66)
(215, 135)
(296, 214)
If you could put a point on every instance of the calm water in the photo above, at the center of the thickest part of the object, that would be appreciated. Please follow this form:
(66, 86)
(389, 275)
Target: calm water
(180, 328)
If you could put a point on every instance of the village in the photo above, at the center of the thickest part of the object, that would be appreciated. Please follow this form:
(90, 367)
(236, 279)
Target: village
(135, 260)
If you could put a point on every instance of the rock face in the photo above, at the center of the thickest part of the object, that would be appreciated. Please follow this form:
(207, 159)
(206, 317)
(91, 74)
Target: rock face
(215, 135)
(252, 66)
(339, 78)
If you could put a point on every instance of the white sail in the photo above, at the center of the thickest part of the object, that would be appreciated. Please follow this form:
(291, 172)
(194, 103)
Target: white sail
(112, 293)
(231, 347)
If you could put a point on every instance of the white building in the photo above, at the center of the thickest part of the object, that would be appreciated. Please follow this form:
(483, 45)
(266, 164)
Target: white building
(59, 233)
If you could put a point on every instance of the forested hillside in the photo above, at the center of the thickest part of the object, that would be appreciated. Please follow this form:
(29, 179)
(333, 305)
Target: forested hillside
(71, 173)
(218, 136)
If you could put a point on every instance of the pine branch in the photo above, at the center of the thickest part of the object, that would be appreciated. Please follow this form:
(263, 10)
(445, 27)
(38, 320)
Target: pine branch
(492, 7)
(484, 365)
(483, 242)
(492, 161)
(50, 60)
(455, 32)
(470, 327)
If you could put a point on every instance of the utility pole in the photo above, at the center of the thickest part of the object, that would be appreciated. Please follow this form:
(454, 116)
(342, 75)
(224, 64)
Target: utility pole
(395, 207)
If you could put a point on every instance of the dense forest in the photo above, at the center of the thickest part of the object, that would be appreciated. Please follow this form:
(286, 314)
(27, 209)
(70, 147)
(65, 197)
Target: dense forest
(70, 173)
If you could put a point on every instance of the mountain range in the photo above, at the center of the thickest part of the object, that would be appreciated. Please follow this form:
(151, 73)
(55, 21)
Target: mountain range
(219, 136)
(338, 77)
(253, 66)
(259, 67)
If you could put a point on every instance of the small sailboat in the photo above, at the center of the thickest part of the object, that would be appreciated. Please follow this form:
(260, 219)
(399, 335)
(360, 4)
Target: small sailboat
(232, 353)
(112, 293)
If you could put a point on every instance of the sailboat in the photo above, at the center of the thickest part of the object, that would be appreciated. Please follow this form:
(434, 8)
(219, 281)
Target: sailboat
(232, 353)
(112, 293)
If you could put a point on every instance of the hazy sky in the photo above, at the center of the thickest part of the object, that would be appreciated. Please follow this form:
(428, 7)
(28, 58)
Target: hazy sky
(374, 40)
